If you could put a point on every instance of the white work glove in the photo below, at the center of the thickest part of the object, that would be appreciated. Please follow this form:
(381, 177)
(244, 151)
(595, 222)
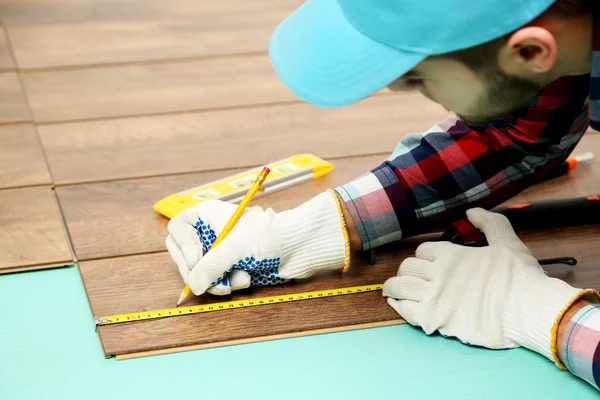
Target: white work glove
(264, 247)
(496, 296)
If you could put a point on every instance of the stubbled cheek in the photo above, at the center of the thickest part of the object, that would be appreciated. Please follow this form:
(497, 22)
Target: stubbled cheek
(456, 99)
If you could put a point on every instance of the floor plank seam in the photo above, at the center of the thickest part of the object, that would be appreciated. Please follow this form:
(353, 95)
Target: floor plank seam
(33, 185)
(11, 50)
(116, 21)
(87, 296)
(65, 226)
(27, 101)
(80, 260)
(189, 111)
(168, 113)
(158, 61)
(37, 134)
(224, 170)
(35, 267)
(10, 123)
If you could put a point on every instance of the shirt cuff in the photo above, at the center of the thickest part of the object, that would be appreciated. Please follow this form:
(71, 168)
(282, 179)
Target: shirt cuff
(368, 200)
(580, 350)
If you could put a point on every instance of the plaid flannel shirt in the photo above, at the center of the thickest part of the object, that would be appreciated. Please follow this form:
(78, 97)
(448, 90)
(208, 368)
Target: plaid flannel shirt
(580, 348)
(432, 178)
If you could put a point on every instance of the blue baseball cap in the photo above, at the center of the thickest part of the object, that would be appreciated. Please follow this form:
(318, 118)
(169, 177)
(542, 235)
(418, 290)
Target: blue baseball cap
(333, 53)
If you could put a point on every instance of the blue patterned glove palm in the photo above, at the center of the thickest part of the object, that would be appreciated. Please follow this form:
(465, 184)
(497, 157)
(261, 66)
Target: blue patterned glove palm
(260, 272)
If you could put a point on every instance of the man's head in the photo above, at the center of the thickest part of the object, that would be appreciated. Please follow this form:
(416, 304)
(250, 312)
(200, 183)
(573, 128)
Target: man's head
(480, 61)
(484, 82)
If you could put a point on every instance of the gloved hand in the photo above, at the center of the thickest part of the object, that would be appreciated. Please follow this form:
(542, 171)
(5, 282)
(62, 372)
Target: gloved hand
(496, 296)
(264, 247)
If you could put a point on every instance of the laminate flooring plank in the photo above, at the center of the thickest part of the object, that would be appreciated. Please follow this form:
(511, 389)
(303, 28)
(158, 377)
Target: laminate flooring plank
(146, 282)
(6, 61)
(110, 219)
(210, 33)
(582, 181)
(32, 233)
(254, 339)
(151, 281)
(49, 12)
(153, 88)
(168, 144)
(22, 161)
(13, 106)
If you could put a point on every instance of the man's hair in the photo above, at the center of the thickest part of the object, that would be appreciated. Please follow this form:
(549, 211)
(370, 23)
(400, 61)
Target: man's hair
(570, 8)
(479, 56)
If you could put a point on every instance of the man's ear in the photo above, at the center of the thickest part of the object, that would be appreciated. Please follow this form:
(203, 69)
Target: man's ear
(528, 51)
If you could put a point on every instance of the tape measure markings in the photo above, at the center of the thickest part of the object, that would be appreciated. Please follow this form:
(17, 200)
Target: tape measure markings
(232, 305)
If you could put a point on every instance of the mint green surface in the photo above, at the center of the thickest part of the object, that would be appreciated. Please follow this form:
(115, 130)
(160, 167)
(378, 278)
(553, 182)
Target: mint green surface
(49, 350)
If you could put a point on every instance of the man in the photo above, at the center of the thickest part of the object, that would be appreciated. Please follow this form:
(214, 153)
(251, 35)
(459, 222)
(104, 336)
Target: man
(517, 73)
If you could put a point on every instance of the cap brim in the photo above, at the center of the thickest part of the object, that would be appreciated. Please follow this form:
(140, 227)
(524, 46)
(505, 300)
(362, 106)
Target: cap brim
(325, 61)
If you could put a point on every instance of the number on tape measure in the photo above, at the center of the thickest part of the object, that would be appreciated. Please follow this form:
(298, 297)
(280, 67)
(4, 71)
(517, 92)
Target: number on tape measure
(173, 312)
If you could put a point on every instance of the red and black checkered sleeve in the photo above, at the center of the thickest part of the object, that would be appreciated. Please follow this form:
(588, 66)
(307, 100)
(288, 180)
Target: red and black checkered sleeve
(432, 178)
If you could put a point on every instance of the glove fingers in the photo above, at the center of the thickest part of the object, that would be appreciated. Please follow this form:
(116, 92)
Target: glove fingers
(222, 288)
(185, 236)
(430, 251)
(409, 310)
(177, 256)
(496, 228)
(239, 279)
(212, 267)
(415, 267)
(235, 280)
(405, 288)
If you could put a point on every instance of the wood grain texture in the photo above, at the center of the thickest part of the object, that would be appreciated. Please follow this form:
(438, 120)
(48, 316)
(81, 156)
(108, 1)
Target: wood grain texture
(153, 88)
(116, 218)
(233, 27)
(254, 339)
(146, 282)
(42, 12)
(32, 233)
(152, 281)
(155, 281)
(583, 181)
(6, 61)
(13, 107)
(583, 243)
(146, 146)
(22, 161)
(108, 219)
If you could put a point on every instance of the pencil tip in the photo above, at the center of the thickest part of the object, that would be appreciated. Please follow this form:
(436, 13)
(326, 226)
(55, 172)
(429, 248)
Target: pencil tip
(181, 299)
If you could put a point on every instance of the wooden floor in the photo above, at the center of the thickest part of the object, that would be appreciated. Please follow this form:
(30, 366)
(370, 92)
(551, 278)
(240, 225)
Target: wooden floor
(108, 106)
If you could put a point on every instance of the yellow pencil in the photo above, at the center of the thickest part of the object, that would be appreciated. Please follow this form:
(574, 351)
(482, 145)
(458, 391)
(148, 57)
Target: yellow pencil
(232, 221)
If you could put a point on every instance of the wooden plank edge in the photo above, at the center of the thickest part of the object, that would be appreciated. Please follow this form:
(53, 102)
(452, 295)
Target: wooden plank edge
(343, 328)
(225, 170)
(26, 268)
(266, 104)
(63, 220)
(141, 62)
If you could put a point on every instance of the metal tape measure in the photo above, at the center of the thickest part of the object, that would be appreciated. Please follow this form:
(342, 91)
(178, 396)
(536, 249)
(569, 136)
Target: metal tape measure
(232, 305)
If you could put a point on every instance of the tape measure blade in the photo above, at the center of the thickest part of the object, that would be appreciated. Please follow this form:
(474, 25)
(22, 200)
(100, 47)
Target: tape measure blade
(232, 305)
